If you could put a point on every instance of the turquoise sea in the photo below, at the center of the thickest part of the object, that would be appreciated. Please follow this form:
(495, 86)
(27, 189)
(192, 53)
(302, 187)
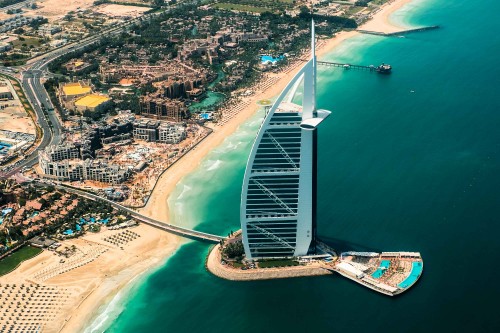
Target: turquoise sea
(408, 161)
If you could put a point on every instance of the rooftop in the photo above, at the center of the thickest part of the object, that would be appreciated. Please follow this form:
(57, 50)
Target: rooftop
(4, 89)
(92, 100)
(76, 88)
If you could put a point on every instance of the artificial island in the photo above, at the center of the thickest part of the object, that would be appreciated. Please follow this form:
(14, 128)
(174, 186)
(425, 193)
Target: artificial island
(278, 236)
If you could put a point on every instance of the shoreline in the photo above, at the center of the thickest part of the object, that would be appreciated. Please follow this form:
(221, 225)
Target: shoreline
(110, 281)
(213, 265)
(147, 257)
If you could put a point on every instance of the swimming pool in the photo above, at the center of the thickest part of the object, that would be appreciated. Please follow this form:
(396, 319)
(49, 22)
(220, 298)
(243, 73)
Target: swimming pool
(4, 148)
(416, 270)
(269, 59)
(384, 265)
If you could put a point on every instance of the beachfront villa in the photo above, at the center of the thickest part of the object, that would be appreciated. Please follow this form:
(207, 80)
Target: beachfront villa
(278, 203)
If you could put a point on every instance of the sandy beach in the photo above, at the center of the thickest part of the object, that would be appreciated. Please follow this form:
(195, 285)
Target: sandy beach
(381, 21)
(96, 283)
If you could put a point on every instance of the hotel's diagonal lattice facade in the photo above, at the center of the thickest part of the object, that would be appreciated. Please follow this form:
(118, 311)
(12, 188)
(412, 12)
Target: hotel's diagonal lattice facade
(278, 213)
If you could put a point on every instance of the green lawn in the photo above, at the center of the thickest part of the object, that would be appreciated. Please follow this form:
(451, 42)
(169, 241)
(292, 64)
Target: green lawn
(28, 41)
(353, 10)
(24, 253)
(379, 2)
(238, 264)
(277, 263)
(255, 6)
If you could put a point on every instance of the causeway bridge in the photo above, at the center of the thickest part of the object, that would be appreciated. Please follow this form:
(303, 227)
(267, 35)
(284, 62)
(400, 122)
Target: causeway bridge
(180, 231)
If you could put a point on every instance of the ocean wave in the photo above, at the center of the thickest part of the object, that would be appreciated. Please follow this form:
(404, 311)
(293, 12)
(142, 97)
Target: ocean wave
(111, 311)
(215, 165)
(185, 189)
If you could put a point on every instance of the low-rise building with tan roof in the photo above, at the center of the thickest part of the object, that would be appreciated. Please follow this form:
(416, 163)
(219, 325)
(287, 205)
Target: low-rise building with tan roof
(92, 102)
(69, 92)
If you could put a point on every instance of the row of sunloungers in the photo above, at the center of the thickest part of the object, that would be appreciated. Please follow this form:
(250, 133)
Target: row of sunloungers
(28, 308)
(122, 238)
(79, 260)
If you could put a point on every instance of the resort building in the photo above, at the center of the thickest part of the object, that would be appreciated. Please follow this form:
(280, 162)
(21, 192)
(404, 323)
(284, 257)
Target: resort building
(278, 201)
(155, 131)
(58, 153)
(148, 73)
(104, 172)
(163, 108)
(62, 170)
(146, 130)
(66, 163)
(169, 133)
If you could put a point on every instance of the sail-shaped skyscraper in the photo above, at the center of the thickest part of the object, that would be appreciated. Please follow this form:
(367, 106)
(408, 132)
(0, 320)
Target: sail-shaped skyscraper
(278, 201)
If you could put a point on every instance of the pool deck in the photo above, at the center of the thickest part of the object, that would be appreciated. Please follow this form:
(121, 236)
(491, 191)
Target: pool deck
(404, 271)
(396, 271)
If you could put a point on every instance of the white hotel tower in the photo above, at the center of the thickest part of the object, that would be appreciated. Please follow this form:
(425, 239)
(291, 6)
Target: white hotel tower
(278, 200)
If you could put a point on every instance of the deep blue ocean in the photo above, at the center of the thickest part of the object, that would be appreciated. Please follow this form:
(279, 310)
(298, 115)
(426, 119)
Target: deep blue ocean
(407, 161)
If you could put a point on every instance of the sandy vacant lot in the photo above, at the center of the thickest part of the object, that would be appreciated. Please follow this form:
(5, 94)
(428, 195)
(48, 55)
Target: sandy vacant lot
(56, 9)
(15, 119)
(59, 8)
(120, 10)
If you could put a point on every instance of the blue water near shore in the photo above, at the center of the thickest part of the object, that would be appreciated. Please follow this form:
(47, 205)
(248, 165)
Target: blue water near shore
(408, 161)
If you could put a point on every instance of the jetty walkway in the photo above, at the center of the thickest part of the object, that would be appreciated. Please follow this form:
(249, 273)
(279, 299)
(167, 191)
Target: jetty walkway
(180, 231)
(346, 66)
(398, 33)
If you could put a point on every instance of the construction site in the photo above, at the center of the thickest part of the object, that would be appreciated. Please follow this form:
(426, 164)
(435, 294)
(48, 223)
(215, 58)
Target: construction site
(120, 159)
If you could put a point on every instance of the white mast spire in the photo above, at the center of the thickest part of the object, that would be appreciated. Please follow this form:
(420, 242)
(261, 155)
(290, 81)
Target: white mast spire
(309, 101)
(313, 56)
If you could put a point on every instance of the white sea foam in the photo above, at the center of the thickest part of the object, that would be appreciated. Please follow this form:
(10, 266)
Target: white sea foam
(185, 189)
(233, 145)
(110, 312)
(215, 165)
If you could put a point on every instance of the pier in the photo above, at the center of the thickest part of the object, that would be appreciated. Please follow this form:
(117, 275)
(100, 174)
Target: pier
(383, 68)
(180, 231)
(398, 33)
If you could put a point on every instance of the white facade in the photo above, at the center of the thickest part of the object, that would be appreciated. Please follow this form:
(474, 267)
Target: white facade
(278, 203)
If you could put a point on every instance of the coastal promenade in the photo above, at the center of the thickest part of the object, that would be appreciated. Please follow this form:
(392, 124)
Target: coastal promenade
(184, 232)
